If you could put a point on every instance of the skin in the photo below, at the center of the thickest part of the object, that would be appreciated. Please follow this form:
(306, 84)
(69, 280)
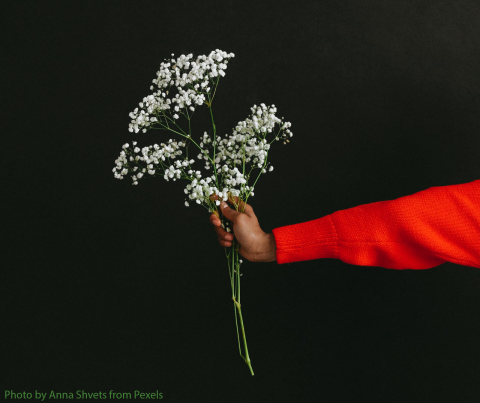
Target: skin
(255, 244)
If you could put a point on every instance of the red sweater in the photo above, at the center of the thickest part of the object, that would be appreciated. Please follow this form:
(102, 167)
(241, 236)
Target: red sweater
(423, 230)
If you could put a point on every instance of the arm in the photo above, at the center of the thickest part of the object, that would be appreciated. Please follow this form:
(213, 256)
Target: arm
(423, 230)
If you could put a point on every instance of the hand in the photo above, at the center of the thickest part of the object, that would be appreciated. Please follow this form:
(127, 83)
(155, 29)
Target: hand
(255, 245)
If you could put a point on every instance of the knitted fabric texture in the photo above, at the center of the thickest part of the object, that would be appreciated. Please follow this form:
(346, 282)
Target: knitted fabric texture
(419, 231)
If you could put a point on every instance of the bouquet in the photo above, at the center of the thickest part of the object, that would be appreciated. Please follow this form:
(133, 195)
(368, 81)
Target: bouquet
(230, 161)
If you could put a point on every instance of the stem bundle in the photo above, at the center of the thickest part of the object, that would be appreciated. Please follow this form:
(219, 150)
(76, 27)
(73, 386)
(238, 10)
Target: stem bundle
(234, 272)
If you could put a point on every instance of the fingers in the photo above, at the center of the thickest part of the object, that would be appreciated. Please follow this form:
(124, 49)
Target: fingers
(228, 212)
(214, 219)
(224, 237)
(222, 234)
(243, 207)
(225, 243)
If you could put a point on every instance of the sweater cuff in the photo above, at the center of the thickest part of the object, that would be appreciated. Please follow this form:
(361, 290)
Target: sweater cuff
(310, 240)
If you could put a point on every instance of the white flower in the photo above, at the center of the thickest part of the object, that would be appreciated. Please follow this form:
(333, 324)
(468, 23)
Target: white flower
(186, 204)
(238, 157)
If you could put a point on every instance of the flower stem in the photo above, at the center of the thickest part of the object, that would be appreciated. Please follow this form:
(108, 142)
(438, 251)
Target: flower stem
(247, 358)
(234, 271)
(214, 144)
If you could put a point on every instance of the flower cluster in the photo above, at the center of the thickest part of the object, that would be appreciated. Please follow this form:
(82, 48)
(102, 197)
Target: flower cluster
(193, 80)
(229, 160)
(153, 157)
(232, 159)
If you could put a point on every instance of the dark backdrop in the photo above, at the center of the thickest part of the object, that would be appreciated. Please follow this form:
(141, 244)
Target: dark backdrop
(108, 286)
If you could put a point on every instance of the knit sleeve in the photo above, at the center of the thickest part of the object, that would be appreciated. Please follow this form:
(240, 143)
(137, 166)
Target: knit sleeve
(419, 231)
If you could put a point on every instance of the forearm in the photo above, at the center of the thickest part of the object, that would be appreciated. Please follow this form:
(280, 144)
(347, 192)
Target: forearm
(417, 231)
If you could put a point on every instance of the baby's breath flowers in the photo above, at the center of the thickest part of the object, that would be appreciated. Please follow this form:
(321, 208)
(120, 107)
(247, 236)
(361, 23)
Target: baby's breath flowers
(227, 166)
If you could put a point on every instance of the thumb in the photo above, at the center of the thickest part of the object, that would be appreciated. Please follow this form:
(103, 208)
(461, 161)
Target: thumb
(228, 212)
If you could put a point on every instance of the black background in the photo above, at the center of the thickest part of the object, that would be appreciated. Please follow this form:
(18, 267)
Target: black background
(112, 286)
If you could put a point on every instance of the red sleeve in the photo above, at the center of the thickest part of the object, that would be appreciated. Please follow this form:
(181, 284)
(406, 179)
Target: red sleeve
(419, 231)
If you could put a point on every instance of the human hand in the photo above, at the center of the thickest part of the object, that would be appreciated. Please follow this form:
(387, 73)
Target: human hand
(255, 245)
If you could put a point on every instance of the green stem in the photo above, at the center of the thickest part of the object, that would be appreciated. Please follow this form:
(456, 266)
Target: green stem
(247, 357)
(214, 144)
(236, 300)
(215, 90)
(187, 136)
(261, 169)
(237, 265)
(231, 275)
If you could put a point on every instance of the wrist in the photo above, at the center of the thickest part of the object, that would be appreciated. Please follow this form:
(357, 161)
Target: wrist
(269, 249)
